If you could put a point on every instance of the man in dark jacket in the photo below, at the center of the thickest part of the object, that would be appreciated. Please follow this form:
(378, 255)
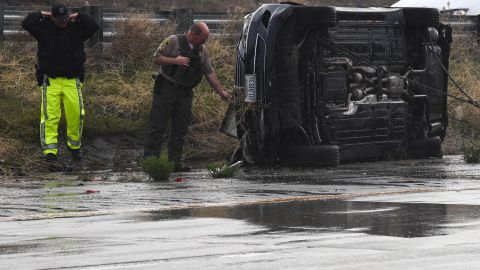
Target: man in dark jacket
(61, 56)
(182, 61)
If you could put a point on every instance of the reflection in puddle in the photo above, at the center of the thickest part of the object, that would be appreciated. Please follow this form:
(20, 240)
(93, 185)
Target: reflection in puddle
(389, 219)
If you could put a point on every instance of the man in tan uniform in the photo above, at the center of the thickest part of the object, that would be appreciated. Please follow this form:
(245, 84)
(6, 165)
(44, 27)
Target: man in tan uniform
(183, 61)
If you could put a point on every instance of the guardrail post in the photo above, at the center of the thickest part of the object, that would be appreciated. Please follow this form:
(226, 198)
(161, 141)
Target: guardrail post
(2, 14)
(478, 29)
(97, 14)
(183, 18)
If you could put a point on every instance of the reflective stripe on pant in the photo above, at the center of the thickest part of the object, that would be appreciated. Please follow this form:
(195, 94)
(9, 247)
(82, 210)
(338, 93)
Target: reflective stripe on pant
(54, 91)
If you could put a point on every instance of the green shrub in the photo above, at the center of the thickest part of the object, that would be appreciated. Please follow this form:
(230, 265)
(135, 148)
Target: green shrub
(159, 169)
(221, 170)
(471, 151)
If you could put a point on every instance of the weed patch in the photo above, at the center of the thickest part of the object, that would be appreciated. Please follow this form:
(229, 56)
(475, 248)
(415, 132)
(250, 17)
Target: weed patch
(221, 170)
(471, 151)
(159, 169)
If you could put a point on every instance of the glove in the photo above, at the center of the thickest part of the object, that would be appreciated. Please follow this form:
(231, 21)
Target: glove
(38, 74)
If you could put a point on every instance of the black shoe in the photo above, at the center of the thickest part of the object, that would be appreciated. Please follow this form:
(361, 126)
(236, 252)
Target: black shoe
(180, 168)
(50, 157)
(53, 164)
(77, 154)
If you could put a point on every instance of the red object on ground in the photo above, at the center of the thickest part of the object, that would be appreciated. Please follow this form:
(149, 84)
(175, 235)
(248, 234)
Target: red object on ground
(179, 179)
(91, 191)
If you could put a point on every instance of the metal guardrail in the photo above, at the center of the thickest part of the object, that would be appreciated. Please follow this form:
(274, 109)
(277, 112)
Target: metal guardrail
(464, 27)
(216, 21)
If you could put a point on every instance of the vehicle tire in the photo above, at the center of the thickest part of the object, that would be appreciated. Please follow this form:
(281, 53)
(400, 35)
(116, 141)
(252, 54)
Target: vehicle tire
(421, 17)
(315, 16)
(425, 148)
(311, 156)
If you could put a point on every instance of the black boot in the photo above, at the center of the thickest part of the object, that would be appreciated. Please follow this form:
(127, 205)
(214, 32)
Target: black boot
(77, 154)
(53, 164)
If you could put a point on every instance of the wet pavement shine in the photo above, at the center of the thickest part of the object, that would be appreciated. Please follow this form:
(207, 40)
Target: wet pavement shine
(414, 214)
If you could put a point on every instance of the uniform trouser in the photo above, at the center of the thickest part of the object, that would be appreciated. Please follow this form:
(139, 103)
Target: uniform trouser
(170, 102)
(54, 91)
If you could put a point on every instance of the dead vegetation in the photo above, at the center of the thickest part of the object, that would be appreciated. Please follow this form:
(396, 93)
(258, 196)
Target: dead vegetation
(117, 94)
(464, 118)
(135, 38)
(465, 69)
(118, 87)
(17, 159)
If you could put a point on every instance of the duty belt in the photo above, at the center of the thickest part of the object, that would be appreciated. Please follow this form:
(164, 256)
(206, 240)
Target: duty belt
(168, 83)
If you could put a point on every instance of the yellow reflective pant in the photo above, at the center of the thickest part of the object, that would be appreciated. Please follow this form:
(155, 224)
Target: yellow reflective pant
(54, 91)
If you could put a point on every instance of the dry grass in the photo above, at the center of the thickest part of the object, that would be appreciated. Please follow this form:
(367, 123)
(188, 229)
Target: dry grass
(16, 159)
(463, 134)
(122, 87)
(7, 146)
(113, 94)
(233, 29)
(465, 68)
(118, 91)
(135, 39)
(117, 94)
(18, 96)
(17, 72)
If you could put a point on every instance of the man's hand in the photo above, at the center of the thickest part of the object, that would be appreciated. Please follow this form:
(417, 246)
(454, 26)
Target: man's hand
(212, 79)
(225, 95)
(182, 61)
(73, 16)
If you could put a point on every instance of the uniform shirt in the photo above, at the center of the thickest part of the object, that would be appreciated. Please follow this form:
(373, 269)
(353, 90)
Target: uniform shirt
(170, 47)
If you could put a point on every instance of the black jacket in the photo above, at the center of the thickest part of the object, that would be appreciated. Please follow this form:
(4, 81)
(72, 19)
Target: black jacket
(60, 50)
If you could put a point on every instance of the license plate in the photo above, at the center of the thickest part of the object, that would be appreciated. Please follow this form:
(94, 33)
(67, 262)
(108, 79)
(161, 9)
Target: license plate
(250, 88)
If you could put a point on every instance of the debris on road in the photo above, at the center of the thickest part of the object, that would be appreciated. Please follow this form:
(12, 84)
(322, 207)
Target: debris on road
(179, 179)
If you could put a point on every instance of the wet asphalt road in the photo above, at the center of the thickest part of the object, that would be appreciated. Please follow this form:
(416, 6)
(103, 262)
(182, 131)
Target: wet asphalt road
(379, 215)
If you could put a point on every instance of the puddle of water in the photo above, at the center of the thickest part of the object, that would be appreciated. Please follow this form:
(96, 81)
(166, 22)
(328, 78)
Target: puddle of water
(375, 218)
(7, 249)
(62, 244)
(59, 184)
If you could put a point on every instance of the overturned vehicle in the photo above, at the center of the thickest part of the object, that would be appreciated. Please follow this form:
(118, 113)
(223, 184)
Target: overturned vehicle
(317, 86)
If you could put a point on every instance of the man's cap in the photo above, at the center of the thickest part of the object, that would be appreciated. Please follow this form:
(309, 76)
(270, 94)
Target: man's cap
(59, 10)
